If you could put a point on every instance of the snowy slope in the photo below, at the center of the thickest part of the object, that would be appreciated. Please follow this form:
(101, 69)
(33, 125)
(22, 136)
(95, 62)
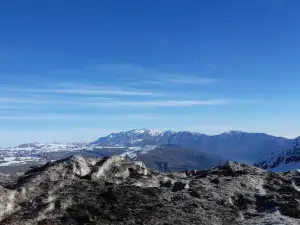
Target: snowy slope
(132, 152)
(281, 161)
(48, 147)
(37, 152)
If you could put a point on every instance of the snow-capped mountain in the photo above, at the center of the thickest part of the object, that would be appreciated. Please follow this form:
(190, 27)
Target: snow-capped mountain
(233, 145)
(281, 161)
(137, 137)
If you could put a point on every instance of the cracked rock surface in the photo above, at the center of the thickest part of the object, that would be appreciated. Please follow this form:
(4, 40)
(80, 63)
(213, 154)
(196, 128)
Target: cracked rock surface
(113, 190)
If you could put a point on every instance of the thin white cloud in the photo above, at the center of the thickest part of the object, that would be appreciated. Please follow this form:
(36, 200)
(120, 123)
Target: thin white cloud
(106, 117)
(154, 77)
(98, 102)
(85, 117)
(153, 104)
(102, 92)
(82, 117)
(16, 100)
(211, 65)
(167, 103)
(163, 79)
(90, 90)
(182, 79)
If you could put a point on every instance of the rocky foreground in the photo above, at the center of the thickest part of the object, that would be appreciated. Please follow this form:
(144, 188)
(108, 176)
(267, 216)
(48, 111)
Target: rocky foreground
(113, 190)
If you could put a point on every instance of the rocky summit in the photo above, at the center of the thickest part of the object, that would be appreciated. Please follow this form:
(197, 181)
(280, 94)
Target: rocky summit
(114, 190)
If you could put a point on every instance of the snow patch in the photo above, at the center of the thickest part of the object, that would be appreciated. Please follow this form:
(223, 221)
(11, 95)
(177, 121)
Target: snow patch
(17, 160)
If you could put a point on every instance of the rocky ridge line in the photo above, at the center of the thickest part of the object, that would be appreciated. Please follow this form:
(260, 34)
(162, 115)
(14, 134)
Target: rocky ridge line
(113, 190)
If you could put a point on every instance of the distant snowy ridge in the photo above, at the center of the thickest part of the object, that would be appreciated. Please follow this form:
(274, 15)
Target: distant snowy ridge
(48, 147)
(37, 152)
(33, 152)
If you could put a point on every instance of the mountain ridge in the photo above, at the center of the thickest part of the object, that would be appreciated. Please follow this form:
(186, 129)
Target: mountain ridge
(160, 132)
(236, 145)
(227, 133)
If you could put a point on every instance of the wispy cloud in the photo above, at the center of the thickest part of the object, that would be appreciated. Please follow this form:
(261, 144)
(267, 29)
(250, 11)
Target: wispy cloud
(182, 79)
(105, 117)
(107, 102)
(158, 77)
(84, 117)
(16, 100)
(102, 92)
(121, 80)
(164, 79)
(211, 65)
(166, 103)
(88, 90)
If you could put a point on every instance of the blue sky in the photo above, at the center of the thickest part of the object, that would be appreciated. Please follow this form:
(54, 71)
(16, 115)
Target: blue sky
(76, 70)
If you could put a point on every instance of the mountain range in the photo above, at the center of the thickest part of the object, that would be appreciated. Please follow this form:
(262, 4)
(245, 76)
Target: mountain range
(233, 145)
(168, 150)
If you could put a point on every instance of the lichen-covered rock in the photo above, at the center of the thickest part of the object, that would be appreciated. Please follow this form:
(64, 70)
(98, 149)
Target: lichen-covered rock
(113, 190)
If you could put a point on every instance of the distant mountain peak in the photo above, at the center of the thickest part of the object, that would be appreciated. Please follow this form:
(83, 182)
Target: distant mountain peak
(231, 132)
(145, 130)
